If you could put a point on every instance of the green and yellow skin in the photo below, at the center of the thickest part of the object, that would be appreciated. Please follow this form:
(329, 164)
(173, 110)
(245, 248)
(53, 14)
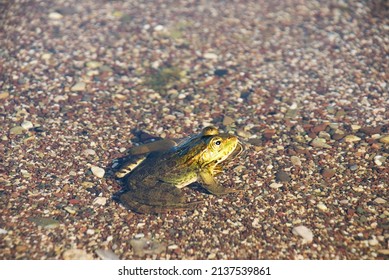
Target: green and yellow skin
(154, 176)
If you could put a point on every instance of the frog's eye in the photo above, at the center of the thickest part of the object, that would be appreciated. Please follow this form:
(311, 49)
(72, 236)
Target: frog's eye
(217, 142)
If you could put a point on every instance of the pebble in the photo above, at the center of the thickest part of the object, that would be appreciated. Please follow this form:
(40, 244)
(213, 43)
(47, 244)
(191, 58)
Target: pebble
(172, 247)
(106, 254)
(304, 232)
(296, 161)
(328, 173)
(353, 167)
(211, 256)
(88, 152)
(379, 160)
(209, 55)
(4, 95)
(44, 222)
(98, 171)
(76, 254)
(93, 64)
(70, 210)
(55, 16)
(228, 120)
(384, 139)
(79, 86)
(351, 138)
(322, 206)
(17, 130)
(243, 133)
(100, 200)
(319, 143)
(282, 176)
(27, 125)
(3, 231)
(90, 231)
(373, 242)
(276, 185)
(268, 133)
(380, 200)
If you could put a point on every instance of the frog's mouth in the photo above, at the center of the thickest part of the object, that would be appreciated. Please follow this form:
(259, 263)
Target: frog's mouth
(239, 149)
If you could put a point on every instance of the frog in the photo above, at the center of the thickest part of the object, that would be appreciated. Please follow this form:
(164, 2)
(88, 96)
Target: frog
(156, 172)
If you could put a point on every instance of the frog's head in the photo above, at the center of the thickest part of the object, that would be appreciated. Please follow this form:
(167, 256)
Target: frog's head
(219, 146)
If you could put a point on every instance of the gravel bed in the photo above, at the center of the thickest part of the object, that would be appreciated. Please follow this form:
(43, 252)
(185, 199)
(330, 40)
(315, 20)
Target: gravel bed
(303, 83)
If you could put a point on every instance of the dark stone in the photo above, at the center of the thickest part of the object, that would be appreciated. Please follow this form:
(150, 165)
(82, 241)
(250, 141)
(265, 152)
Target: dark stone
(282, 176)
(220, 72)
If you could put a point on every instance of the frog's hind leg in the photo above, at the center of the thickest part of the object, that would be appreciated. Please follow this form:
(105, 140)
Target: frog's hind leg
(127, 165)
(160, 198)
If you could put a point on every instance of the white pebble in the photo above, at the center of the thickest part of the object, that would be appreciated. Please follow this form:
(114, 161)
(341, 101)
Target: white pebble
(98, 171)
(90, 231)
(322, 206)
(27, 125)
(89, 152)
(106, 254)
(379, 200)
(55, 16)
(304, 232)
(100, 200)
(3, 231)
(276, 185)
(379, 160)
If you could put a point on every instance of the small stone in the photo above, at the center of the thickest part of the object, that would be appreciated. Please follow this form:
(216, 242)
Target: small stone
(384, 139)
(93, 64)
(98, 171)
(106, 254)
(211, 256)
(324, 135)
(269, 133)
(328, 173)
(304, 232)
(276, 185)
(4, 95)
(351, 138)
(379, 160)
(100, 200)
(319, 143)
(44, 222)
(355, 127)
(88, 152)
(210, 56)
(322, 206)
(173, 247)
(220, 72)
(243, 133)
(70, 210)
(384, 252)
(27, 125)
(55, 16)
(338, 134)
(76, 254)
(17, 130)
(282, 176)
(296, 161)
(3, 231)
(228, 120)
(373, 242)
(90, 231)
(353, 167)
(380, 200)
(79, 86)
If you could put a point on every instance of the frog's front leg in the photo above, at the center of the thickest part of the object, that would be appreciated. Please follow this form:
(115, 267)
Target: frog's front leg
(210, 184)
(159, 198)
